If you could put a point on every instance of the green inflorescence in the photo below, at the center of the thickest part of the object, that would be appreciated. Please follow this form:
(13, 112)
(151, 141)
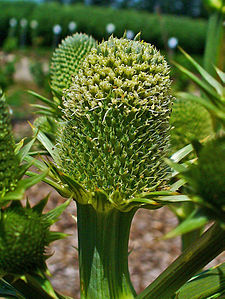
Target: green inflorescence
(190, 121)
(9, 164)
(116, 119)
(67, 58)
(207, 177)
(24, 235)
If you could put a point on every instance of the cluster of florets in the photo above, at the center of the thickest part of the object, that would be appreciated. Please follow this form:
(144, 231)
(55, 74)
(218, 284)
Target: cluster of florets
(9, 165)
(207, 178)
(25, 237)
(67, 58)
(115, 133)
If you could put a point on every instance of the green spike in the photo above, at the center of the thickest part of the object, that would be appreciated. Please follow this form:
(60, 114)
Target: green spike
(67, 59)
(9, 164)
(53, 236)
(41, 205)
(55, 213)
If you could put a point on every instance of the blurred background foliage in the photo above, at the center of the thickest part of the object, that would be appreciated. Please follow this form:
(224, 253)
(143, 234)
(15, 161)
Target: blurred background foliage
(30, 30)
(93, 20)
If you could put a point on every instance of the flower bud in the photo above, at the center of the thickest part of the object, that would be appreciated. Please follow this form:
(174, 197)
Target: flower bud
(67, 57)
(24, 237)
(116, 128)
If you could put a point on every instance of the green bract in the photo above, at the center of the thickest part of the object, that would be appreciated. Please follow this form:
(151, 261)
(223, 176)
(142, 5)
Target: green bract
(9, 164)
(116, 128)
(67, 58)
(24, 236)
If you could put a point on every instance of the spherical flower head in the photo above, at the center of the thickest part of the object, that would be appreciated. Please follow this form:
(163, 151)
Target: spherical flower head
(115, 133)
(189, 121)
(24, 237)
(207, 178)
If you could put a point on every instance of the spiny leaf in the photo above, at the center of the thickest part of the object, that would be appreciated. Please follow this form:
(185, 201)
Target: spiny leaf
(207, 284)
(208, 78)
(194, 221)
(8, 290)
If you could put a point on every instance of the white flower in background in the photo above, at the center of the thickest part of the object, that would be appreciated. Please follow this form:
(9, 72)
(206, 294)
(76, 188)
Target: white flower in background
(13, 22)
(110, 28)
(33, 24)
(172, 42)
(23, 23)
(57, 29)
(130, 34)
(72, 26)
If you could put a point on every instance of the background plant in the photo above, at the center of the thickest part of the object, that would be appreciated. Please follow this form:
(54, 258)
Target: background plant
(93, 21)
(112, 206)
(101, 206)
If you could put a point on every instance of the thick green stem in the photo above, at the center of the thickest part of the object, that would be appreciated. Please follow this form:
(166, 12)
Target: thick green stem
(199, 254)
(103, 253)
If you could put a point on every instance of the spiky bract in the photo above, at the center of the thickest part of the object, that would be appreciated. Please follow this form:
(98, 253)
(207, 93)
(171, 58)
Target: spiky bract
(9, 165)
(190, 121)
(24, 235)
(67, 58)
(115, 133)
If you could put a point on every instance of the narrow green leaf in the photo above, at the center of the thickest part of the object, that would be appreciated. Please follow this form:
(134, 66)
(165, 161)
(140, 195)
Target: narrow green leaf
(40, 281)
(204, 86)
(62, 190)
(43, 108)
(43, 99)
(42, 203)
(25, 150)
(7, 290)
(195, 257)
(37, 163)
(56, 236)
(220, 74)
(175, 186)
(172, 199)
(23, 169)
(55, 213)
(22, 186)
(63, 297)
(177, 167)
(19, 146)
(209, 106)
(208, 78)
(48, 145)
(194, 221)
(204, 285)
(182, 153)
(79, 193)
(45, 113)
